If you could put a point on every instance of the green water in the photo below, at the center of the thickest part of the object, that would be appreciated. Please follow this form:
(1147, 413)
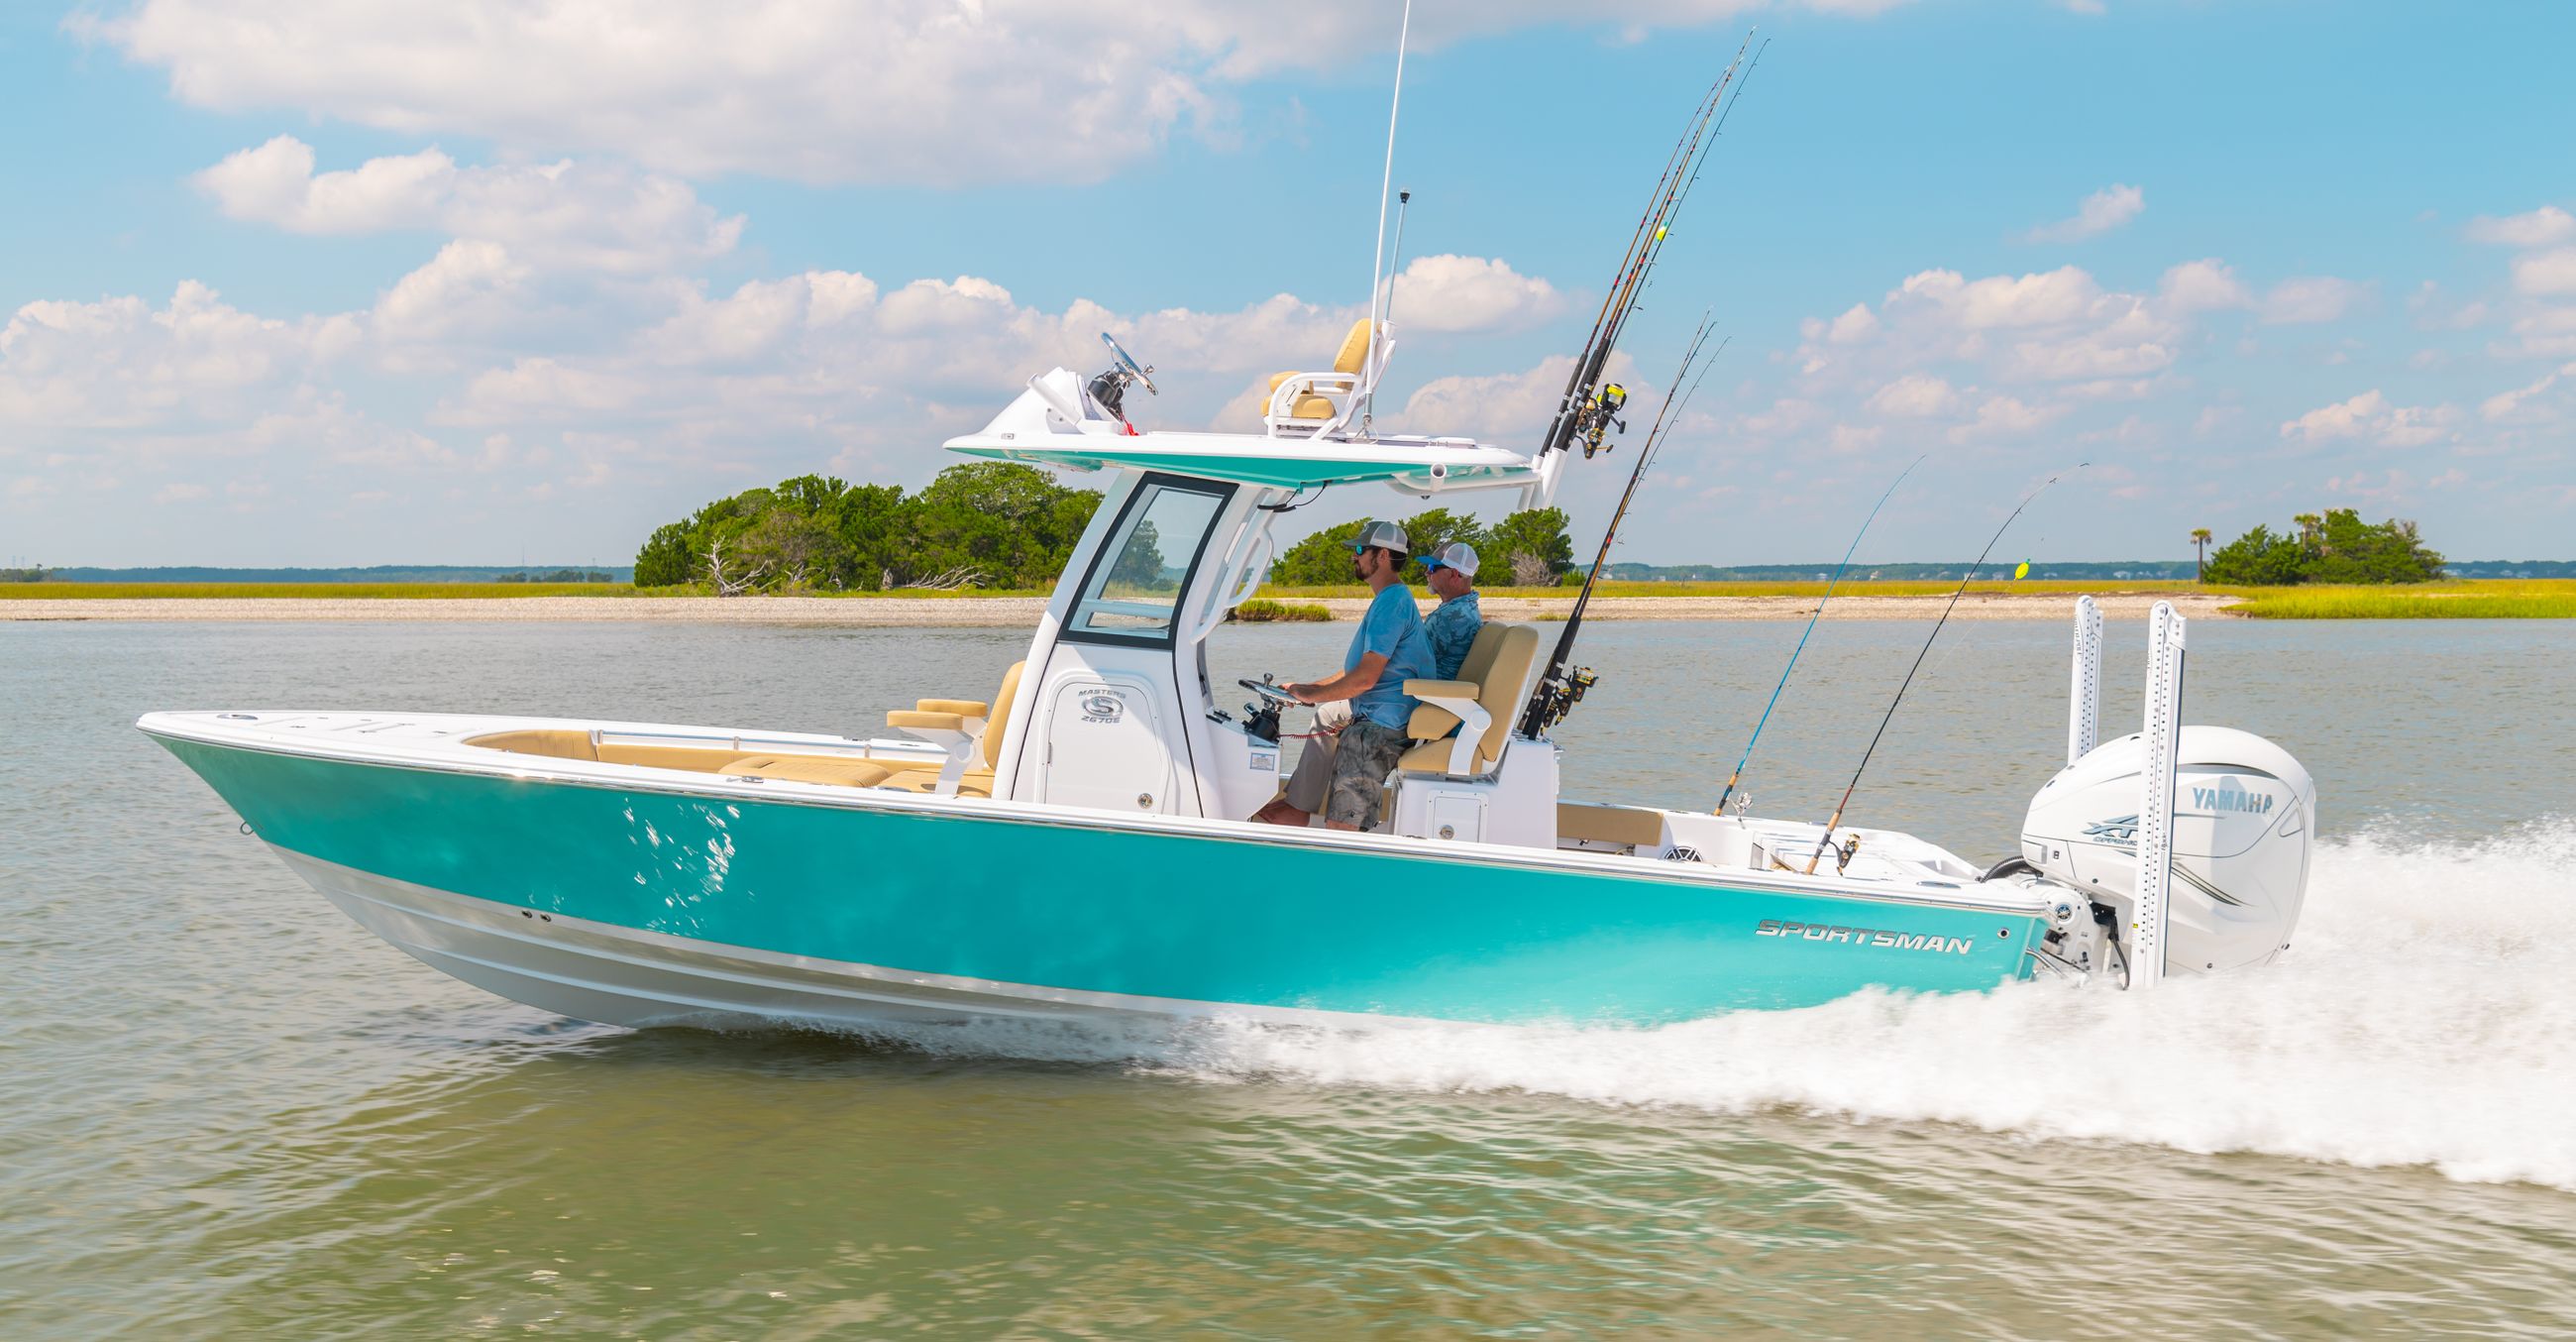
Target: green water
(226, 1111)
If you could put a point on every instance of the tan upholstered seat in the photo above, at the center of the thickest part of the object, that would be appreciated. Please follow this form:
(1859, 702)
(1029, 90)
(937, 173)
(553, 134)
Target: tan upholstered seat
(1498, 665)
(1347, 362)
(1621, 826)
(809, 769)
(977, 781)
(561, 743)
(567, 743)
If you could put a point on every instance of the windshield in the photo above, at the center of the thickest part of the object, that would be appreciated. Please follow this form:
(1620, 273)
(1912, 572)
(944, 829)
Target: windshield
(1134, 589)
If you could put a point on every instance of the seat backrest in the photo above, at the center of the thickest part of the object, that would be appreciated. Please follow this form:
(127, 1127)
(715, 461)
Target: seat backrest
(1000, 715)
(1354, 348)
(1507, 651)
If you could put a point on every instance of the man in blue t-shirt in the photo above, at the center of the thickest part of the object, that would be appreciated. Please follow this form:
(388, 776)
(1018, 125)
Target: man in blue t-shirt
(1344, 776)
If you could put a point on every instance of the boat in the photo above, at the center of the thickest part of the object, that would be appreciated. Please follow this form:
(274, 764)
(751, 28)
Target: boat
(1076, 842)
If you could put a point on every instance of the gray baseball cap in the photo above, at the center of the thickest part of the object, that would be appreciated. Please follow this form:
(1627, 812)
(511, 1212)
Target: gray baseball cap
(1382, 536)
(1456, 554)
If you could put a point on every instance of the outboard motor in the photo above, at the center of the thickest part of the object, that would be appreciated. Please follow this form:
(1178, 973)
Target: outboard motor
(2244, 818)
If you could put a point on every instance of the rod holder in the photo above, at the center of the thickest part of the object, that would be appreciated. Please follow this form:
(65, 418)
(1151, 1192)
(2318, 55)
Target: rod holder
(2084, 698)
(2159, 757)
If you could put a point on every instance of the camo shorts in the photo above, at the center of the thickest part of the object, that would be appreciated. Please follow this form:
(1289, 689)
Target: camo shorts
(1362, 758)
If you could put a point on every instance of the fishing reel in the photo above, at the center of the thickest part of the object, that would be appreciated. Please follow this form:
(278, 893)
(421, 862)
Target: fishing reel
(1557, 697)
(1110, 387)
(1599, 416)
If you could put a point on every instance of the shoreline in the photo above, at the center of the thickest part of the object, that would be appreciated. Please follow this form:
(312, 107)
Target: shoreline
(1023, 611)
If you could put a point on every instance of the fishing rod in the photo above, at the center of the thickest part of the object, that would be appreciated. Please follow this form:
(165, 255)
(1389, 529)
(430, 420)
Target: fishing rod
(1737, 776)
(1560, 690)
(1827, 839)
(1576, 408)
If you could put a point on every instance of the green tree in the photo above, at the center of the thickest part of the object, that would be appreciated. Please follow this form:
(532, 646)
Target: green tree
(2350, 550)
(996, 524)
(795, 551)
(2256, 559)
(2337, 547)
(2200, 539)
(1532, 546)
(1141, 566)
(1322, 559)
(875, 531)
(1433, 528)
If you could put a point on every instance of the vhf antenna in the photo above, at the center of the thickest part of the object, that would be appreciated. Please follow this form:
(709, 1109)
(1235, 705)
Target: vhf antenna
(1386, 183)
(1394, 269)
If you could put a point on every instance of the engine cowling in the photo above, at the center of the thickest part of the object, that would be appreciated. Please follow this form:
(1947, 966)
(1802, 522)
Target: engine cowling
(2244, 819)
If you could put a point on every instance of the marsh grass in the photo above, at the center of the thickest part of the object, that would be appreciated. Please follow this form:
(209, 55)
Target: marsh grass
(240, 591)
(2034, 587)
(411, 591)
(2488, 599)
(1260, 611)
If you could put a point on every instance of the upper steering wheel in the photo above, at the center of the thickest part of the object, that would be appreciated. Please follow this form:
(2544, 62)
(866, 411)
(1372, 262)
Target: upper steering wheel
(1128, 362)
(1271, 692)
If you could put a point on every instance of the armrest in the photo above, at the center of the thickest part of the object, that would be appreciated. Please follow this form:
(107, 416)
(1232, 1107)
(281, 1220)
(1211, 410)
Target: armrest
(1450, 699)
(964, 708)
(916, 719)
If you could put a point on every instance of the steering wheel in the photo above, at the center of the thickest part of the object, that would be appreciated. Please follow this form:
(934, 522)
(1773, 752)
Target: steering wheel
(1270, 693)
(1128, 362)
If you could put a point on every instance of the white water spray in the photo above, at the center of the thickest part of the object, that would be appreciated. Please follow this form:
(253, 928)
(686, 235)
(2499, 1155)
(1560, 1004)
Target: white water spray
(2422, 1018)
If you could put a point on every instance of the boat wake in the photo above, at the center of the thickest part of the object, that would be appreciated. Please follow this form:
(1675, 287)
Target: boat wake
(2422, 1018)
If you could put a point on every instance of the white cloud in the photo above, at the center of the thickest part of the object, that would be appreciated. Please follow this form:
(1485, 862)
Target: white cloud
(119, 365)
(1469, 293)
(2099, 213)
(2537, 228)
(2521, 403)
(2370, 417)
(1856, 323)
(2312, 299)
(2055, 296)
(1914, 396)
(2206, 285)
(1511, 408)
(2005, 416)
(909, 91)
(585, 215)
(2550, 274)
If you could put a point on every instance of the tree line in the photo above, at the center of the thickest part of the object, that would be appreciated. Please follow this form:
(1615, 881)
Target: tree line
(1527, 549)
(999, 526)
(2335, 547)
(987, 524)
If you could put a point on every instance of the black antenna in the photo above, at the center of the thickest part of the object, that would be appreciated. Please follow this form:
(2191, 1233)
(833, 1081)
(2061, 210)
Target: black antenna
(1827, 840)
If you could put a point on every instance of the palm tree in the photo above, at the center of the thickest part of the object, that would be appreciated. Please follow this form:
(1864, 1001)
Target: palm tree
(2309, 525)
(2199, 551)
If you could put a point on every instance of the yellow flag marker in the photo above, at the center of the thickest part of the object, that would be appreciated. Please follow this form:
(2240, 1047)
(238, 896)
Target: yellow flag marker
(2022, 572)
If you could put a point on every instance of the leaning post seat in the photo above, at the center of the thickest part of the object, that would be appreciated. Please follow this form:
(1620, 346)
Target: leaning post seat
(970, 730)
(1313, 400)
(1480, 703)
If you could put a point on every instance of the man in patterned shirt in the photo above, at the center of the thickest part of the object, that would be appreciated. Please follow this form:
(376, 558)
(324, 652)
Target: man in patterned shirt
(1453, 624)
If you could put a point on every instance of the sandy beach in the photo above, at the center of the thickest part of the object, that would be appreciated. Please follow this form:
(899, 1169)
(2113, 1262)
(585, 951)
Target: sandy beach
(1009, 612)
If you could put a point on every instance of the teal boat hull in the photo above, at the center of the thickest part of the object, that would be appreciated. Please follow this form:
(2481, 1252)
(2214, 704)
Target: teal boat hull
(645, 905)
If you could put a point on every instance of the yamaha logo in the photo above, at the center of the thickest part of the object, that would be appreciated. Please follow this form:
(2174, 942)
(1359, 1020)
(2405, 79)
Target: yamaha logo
(2231, 795)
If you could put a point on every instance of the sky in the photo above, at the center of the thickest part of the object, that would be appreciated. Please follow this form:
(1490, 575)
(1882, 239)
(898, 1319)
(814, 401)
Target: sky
(504, 281)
